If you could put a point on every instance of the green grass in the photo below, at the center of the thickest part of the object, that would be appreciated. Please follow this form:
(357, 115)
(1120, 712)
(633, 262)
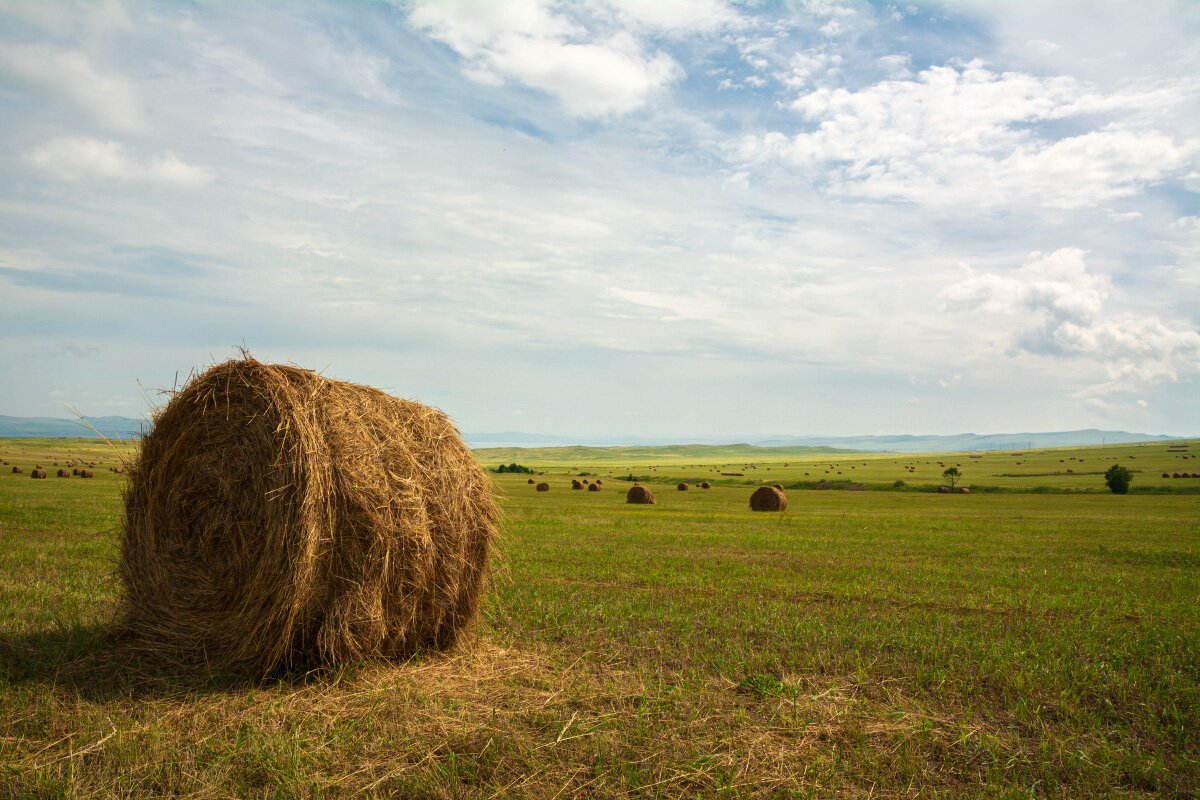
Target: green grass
(871, 643)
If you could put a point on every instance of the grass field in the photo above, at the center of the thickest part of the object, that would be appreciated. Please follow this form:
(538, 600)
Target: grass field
(861, 644)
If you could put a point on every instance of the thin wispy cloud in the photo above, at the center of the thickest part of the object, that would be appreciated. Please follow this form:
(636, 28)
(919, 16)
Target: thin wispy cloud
(656, 218)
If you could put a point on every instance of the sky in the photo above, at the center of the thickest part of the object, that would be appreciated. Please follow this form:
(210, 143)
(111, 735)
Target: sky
(613, 217)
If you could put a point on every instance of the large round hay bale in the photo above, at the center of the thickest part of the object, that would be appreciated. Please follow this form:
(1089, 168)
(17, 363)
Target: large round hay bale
(530, 480)
(276, 517)
(86, 473)
(683, 487)
(943, 490)
(18, 470)
(543, 487)
(768, 498)
(576, 484)
(593, 487)
(639, 494)
(38, 473)
(964, 490)
(62, 473)
(705, 485)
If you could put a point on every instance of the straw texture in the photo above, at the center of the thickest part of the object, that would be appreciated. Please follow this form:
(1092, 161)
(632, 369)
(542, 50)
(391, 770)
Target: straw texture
(276, 516)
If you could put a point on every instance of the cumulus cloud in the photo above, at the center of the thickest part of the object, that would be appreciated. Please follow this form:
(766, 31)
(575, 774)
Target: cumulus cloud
(107, 98)
(591, 74)
(1062, 307)
(80, 158)
(958, 135)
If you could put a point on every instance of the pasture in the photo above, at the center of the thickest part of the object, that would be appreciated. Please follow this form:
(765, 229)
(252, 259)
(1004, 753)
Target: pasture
(1039, 637)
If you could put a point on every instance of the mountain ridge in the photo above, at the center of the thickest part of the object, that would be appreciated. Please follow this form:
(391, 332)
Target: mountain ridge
(117, 427)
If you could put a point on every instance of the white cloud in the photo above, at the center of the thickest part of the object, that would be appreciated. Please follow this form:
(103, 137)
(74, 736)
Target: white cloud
(80, 158)
(109, 99)
(590, 74)
(958, 136)
(1060, 307)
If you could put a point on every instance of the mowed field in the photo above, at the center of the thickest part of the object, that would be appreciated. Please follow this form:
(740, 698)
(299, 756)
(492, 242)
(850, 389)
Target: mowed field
(1039, 637)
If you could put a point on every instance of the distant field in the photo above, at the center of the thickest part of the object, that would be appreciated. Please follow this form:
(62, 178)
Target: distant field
(862, 643)
(1079, 469)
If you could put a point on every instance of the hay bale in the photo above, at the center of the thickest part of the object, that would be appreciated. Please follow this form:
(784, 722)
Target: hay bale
(86, 473)
(683, 487)
(276, 517)
(943, 490)
(964, 490)
(705, 485)
(37, 473)
(576, 484)
(778, 486)
(529, 481)
(639, 494)
(543, 487)
(75, 471)
(1176, 475)
(18, 470)
(599, 481)
(62, 473)
(1166, 474)
(593, 487)
(768, 498)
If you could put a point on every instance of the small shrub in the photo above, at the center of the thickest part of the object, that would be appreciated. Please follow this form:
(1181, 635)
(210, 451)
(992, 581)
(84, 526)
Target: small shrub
(514, 467)
(899, 485)
(1118, 479)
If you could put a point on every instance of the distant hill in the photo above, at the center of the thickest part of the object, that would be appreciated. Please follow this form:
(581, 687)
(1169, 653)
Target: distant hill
(966, 441)
(42, 427)
(124, 427)
(883, 443)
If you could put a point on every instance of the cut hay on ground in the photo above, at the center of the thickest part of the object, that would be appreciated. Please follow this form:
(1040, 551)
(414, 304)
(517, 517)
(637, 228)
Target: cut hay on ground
(768, 498)
(639, 494)
(276, 517)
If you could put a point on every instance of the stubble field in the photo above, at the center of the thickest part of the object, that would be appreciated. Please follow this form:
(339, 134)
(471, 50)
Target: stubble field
(897, 643)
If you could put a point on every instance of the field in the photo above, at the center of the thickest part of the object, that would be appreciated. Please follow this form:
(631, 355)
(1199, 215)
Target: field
(1039, 637)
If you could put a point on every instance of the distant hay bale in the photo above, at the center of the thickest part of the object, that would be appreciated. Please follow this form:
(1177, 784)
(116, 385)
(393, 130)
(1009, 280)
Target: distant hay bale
(75, 471)
(18, 470)
(705, 485)
(1175, 475)
(593, 487)
(599, 481)
(529, 481)
(683, 487)
(37, 473)
(779, 486)
(576, 484)
(276, 517)
(639, 494)
(62, 473)
(768, 498)
(964, 490)
(86, 473)
(543, 487)
(943, 490)
(1166, 474)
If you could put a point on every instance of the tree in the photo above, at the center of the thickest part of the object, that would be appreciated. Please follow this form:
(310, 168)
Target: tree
(1118, 479)
(952, 475)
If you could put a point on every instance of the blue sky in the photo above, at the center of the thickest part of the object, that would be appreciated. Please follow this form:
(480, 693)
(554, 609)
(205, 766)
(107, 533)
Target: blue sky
(669, 218)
